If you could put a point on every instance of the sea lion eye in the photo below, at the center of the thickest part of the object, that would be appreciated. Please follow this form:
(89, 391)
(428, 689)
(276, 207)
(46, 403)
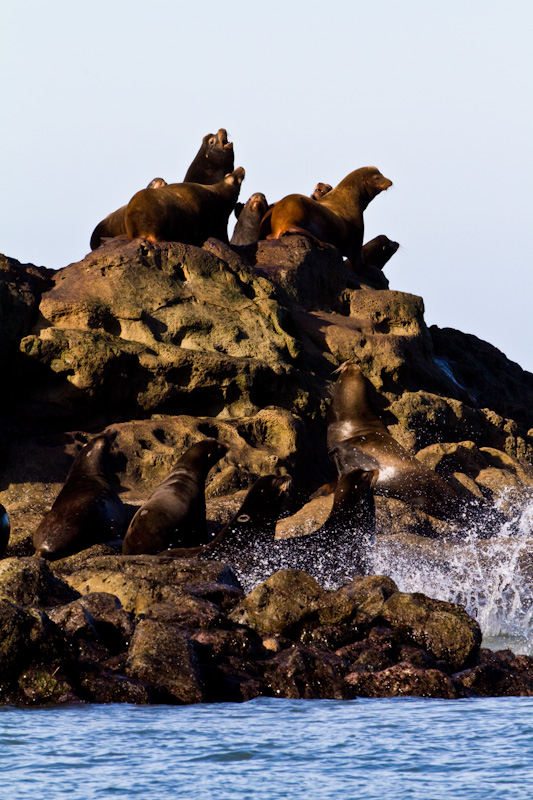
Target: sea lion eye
(243, 518)
(212, 140)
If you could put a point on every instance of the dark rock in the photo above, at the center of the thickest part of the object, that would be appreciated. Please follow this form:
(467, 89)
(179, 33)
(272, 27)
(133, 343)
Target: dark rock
(307, 673)
(404, 680)
(163, 657)
(30, 582)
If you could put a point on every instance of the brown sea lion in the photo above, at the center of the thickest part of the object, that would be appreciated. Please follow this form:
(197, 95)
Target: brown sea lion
(358, 439)
(115, 223)
(213, 160)
(341, 547)
(4, 530)
(87, 510)
(249, 220)
(174, 514)
(378, 251)
(335, 218)
(320, 190)
(184, 212)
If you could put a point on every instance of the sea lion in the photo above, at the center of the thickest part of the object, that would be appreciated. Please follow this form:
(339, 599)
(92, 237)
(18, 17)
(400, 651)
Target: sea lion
(252, 528)
(115, 223)
(174, 514)
(87, 510)
(4, 530)
(341, 547)
(358, 439)
(213, 160)
(378, 251)
(335, 218)
(184, 212)
(320, 190)
(249, 220)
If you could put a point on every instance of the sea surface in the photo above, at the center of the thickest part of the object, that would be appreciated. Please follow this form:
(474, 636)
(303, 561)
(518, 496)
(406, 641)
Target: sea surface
(267, 749)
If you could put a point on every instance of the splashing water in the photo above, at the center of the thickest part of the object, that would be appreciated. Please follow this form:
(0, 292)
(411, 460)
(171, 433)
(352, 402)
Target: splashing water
(491, 578)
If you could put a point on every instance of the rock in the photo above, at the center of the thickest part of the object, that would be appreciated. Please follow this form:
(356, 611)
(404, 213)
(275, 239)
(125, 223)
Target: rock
(44, 685)
(289, 602)
(307, 673)
(98, 617)
(444, 629)
(163, 656)
(29, 581)
(500, 674)
(404, 680)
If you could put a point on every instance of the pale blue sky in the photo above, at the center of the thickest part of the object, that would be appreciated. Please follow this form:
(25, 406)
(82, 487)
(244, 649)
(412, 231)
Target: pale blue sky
(101, 97)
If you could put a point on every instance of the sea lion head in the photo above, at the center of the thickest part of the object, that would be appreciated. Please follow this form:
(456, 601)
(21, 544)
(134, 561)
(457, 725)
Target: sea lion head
(235, 178)
(258, 202)
(320, 190)
(374, 182)
(157, 183)
(216, 146)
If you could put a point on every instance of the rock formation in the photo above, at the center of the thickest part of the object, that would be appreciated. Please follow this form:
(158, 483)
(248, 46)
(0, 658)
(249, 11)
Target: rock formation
(172, 343)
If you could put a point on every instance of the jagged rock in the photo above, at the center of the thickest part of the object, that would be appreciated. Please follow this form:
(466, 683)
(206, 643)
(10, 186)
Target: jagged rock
(164, 657)
(29, 581)
(444, 629)
(500, 674)
(44, 685)
(95, 616)
(105, 686)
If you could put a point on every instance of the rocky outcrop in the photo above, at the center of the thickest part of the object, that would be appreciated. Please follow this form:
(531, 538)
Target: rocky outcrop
(172, 343)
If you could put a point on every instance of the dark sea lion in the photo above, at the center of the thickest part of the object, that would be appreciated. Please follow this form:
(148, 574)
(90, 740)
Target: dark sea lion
(184, 212)
(87, 510)
(320, 190)
(115, 223)
(249, 220)
(4, 530)
(251, 529)
(378, 251)
(341, 547)
(213, 160)
(358, 439)
(174, 514)
(335, 218)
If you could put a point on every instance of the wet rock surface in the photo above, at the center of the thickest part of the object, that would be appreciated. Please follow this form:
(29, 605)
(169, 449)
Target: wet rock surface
(173, 343)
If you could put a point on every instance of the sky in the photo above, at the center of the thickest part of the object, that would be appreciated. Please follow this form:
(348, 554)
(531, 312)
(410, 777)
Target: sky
(101, 97)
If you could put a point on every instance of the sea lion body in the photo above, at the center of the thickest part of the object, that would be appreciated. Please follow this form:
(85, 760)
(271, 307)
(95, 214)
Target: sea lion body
(184, 212)
(249, 220)
(214, 159)
(335, 218)
(358, 439)
(341, 547)
(378, 251)
(115, 223)
(174, 514)
(4, 530)
(87, 510)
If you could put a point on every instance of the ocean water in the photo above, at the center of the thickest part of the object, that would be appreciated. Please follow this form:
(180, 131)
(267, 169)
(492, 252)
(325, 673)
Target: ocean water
(476, 749)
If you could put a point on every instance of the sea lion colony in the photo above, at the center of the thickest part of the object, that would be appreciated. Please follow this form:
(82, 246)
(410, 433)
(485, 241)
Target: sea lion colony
(173, 519)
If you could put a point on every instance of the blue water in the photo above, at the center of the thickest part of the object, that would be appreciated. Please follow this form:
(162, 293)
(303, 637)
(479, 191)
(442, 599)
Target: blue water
(268, 749)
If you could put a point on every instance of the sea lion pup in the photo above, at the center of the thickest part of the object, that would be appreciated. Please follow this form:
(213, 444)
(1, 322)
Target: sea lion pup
(341, 547)
(87, 510)
(4, 530)
(184, 212)
(174, 514)
(249, 220)
(252, 528)
(115, 223)
(378, 251)
(213, 160)
(335, 218)
(358, 438)
(320, 190)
